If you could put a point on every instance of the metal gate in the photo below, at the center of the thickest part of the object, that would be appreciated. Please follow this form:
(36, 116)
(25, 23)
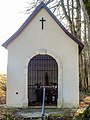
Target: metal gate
(42, 71)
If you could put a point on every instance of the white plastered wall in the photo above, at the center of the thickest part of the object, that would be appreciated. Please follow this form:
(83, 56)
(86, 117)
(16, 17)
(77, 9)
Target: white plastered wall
(56, 43)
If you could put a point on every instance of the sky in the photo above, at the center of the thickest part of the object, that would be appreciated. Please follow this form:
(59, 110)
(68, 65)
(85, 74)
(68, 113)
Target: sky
(11, 18)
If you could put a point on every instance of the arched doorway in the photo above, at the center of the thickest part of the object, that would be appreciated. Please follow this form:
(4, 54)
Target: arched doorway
(42, 71)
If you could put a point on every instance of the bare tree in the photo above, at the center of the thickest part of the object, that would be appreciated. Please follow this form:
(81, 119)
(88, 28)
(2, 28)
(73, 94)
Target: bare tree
(86, 50)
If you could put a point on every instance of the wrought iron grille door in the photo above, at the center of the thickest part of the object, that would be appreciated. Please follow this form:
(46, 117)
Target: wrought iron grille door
(42, 71)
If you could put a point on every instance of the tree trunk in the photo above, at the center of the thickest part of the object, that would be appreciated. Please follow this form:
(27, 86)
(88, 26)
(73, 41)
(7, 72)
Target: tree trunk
(78, 20)
(89, 50)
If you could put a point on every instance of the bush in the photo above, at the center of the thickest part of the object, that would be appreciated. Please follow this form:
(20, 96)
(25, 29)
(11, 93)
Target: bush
(3, 78)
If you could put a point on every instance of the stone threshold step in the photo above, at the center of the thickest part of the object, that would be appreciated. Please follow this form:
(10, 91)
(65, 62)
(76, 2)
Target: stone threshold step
(32, 118)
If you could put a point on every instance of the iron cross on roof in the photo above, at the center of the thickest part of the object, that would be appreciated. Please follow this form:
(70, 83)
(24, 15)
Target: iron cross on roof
(42, 20)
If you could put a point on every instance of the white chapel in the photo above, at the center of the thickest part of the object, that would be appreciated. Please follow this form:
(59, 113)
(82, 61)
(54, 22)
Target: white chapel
(42, 53)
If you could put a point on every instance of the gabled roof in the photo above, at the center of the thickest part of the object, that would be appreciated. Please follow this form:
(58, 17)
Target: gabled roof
(38, 8)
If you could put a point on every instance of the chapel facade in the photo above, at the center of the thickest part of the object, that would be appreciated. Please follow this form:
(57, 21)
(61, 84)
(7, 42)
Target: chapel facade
(42, 53)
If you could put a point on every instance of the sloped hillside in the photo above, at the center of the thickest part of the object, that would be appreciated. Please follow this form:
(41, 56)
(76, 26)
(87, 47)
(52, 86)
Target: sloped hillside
(3, 78)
